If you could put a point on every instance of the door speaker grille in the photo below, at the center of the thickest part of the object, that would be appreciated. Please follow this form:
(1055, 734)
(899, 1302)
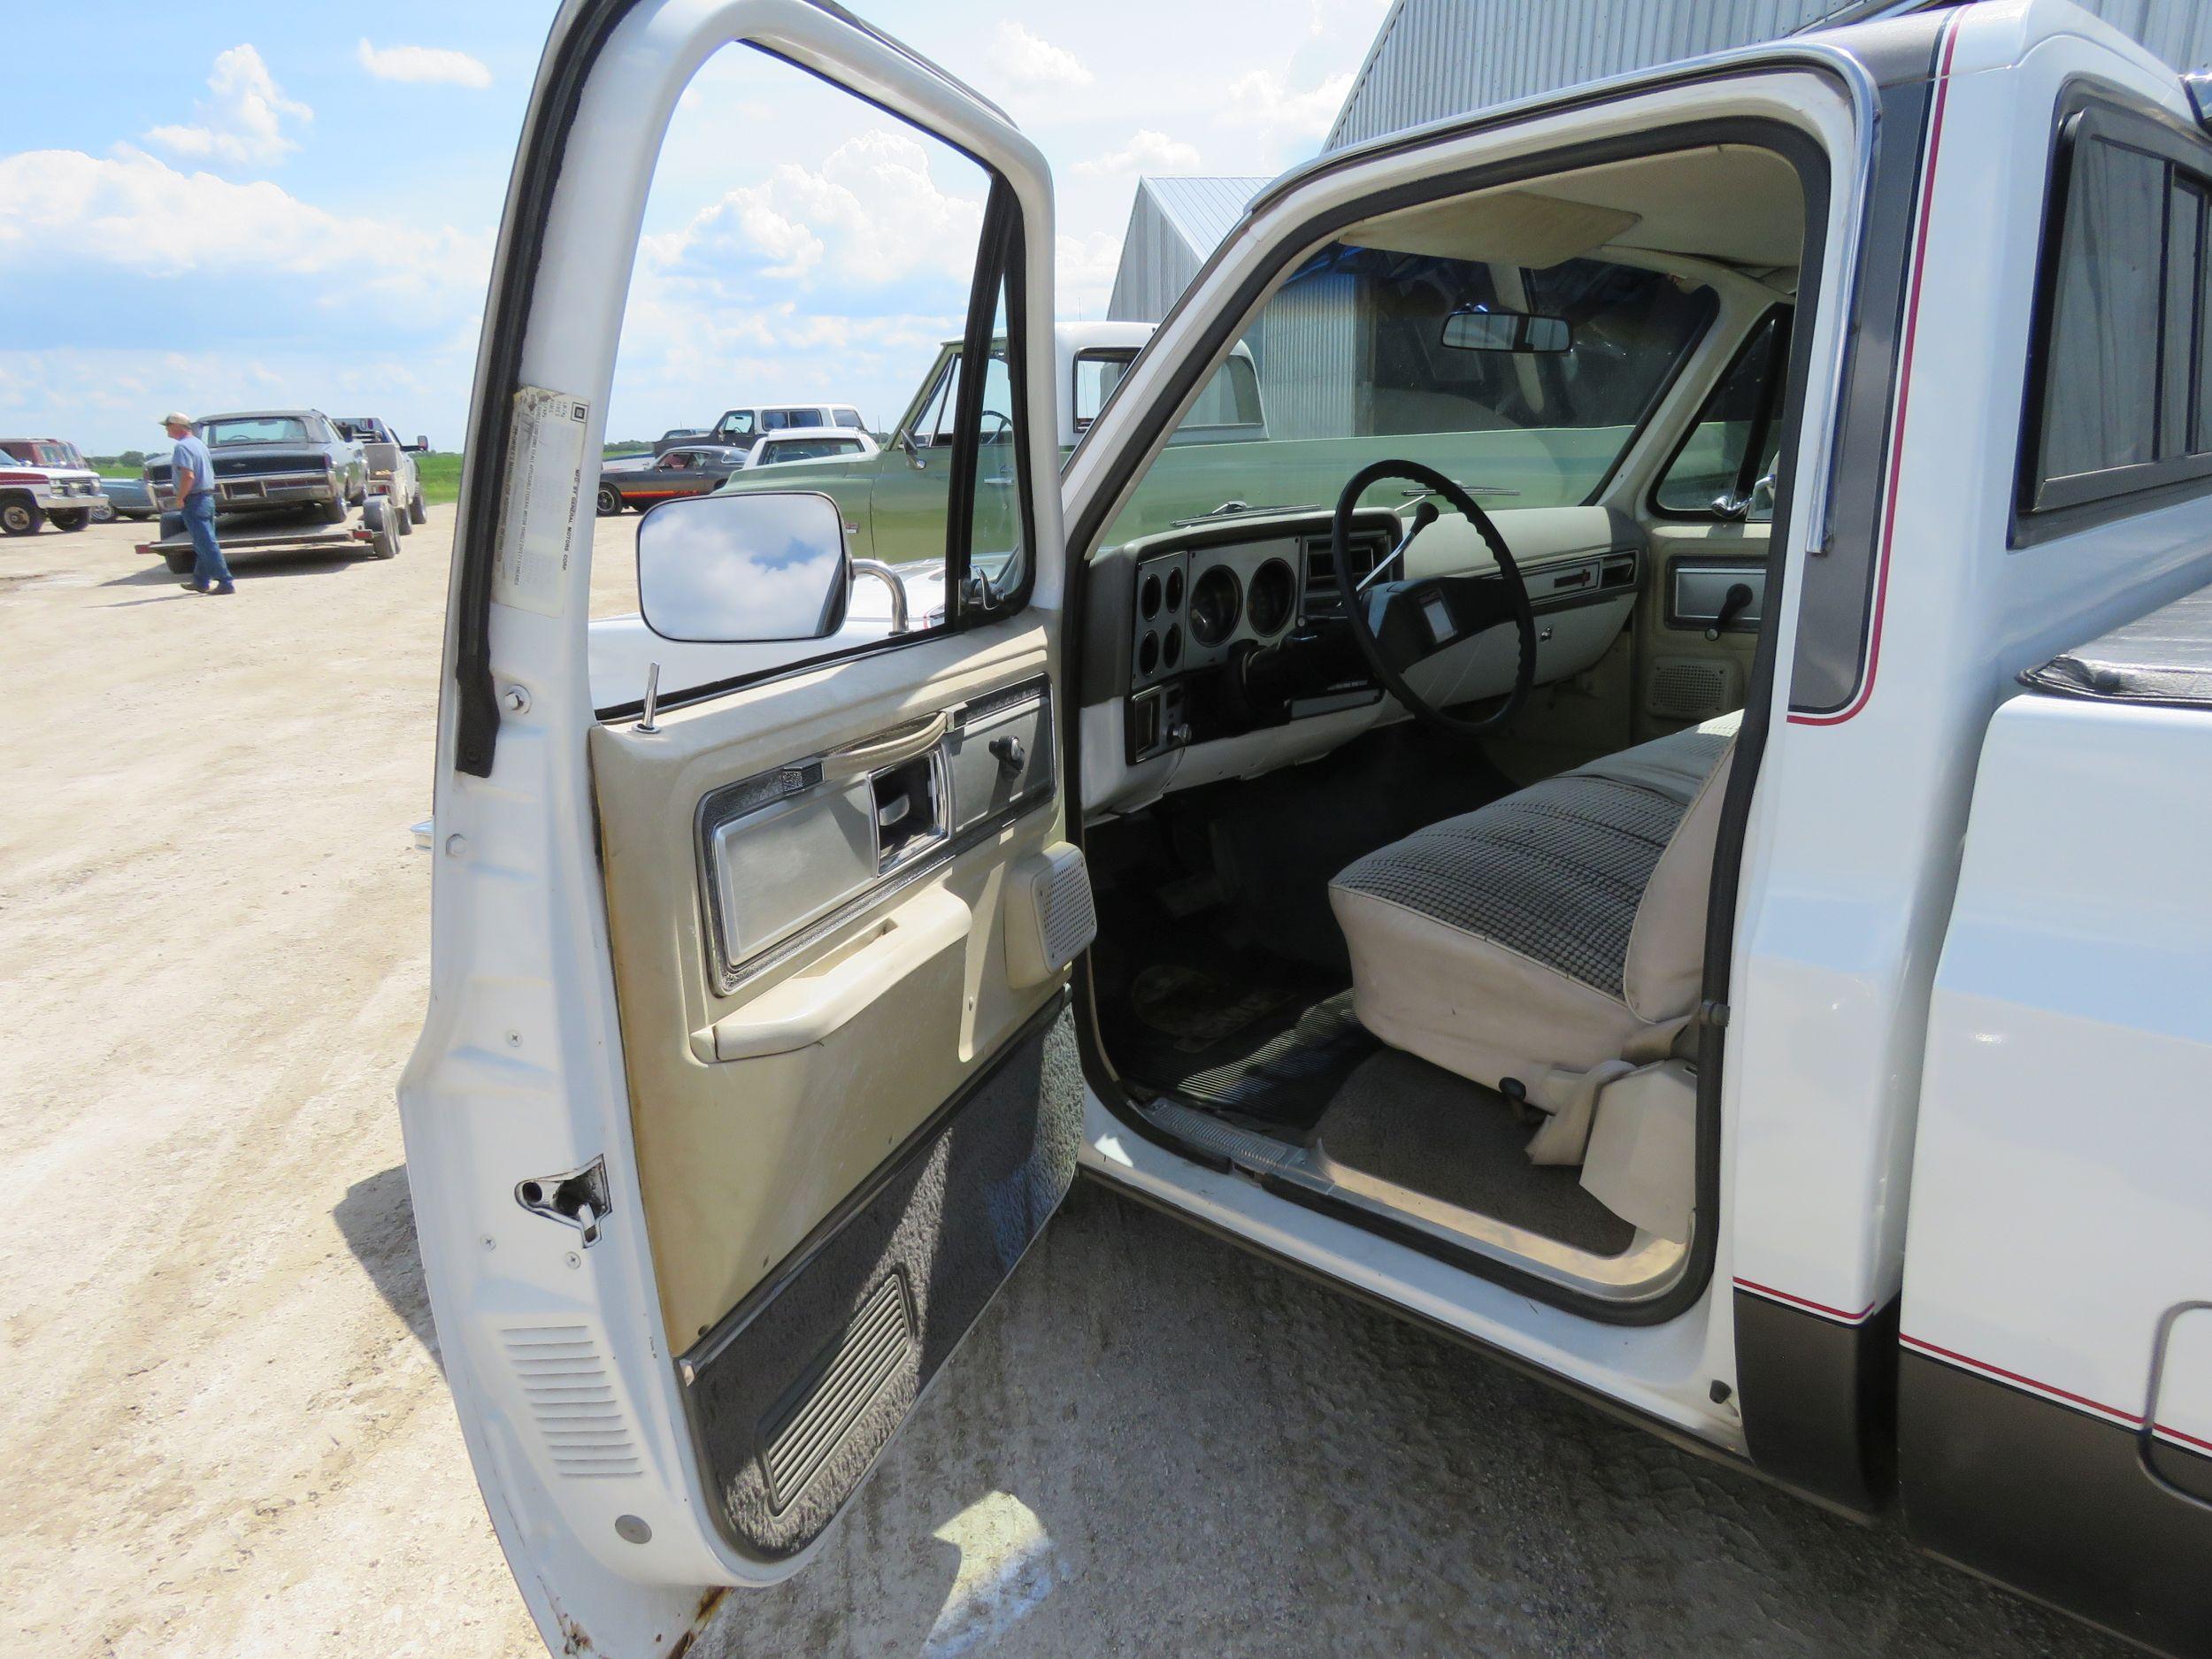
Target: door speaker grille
(571, 1399)
(1690, 688)
(836, 1392)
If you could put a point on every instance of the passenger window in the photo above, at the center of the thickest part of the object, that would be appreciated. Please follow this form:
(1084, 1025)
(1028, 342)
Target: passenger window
(2122, 402)
(1734, 441)
(801, 254)
(1096, 375)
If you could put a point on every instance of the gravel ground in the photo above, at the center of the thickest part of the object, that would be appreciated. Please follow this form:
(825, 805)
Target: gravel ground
(226, 1434)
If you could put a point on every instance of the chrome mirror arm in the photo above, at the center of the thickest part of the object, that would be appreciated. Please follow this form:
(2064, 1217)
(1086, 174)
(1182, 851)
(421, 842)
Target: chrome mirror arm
(889, 577)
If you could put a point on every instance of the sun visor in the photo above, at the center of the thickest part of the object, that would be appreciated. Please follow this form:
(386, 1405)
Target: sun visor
(1514, 227)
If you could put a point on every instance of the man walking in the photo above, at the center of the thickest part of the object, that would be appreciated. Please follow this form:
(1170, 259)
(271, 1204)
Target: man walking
(193, 472)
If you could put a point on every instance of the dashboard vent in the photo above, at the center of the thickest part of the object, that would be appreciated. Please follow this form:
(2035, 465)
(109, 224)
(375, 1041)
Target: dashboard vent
(1323, 592)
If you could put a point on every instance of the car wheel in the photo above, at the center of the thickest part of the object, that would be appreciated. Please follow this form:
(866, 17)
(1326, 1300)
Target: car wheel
(70, 517)
(21, 517)
(331, 512)
(402, 520)
(105, 513)
(179, 562)
(610, 501)
(418, 509)
(377, 517)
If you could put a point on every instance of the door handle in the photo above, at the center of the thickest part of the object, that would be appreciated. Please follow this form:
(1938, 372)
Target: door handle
(811, 1006)
(875, 753)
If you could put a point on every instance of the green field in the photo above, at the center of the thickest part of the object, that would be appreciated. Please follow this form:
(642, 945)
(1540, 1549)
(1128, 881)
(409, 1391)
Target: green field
(441, 469)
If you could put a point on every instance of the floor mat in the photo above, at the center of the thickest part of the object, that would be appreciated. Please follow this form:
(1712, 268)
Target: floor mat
(1418, 1126)
(1275, 1049)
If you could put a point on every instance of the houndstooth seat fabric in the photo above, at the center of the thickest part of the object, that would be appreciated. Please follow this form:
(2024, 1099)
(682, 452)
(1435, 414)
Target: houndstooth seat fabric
(1547, 928)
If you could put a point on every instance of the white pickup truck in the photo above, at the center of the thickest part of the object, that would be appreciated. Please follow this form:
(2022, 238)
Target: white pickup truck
(1719, 922)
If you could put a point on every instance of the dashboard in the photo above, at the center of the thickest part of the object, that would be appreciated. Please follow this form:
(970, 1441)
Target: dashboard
(1219, 650)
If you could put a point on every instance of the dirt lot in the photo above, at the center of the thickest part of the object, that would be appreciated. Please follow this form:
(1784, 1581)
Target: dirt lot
(225, 1431)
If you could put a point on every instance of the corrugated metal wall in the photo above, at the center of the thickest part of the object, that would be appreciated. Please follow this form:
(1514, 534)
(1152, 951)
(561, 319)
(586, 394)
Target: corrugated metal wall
(1174, 224)
(1436, 57)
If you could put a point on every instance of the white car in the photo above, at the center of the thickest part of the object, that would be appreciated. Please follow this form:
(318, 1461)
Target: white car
(809, 443)
(1715, 919)
(45, 480)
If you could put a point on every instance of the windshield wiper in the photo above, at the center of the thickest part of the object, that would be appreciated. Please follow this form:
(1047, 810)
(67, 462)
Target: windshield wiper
(1240, 508)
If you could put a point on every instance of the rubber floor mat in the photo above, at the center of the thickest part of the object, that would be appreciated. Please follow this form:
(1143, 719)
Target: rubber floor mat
(1278, 1052)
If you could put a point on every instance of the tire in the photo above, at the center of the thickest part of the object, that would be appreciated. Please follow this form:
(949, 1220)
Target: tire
(378, 516)
(418, 509)
(105, 513)
(610, 502)
(70, 517)
(332, 511)
(403, 520)
(19, 515)
(178, 564)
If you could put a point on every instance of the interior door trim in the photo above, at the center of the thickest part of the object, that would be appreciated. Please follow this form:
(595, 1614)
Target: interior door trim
(747, 796)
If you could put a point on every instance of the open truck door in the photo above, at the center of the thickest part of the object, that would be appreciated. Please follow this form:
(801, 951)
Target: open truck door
(740, 1092)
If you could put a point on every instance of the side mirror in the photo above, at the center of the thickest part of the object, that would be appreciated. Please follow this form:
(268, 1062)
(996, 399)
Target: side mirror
(913, 451)
(724, 569)
(1486, 330)
(421, 446)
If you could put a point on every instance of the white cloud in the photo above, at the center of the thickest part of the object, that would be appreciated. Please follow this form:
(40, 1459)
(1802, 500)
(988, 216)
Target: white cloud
(243, 123)
(1264, 99)
(870, 215)
(1148, 151)
(1083, 273)
(134, 214)
(423, 66)
(1028, 61)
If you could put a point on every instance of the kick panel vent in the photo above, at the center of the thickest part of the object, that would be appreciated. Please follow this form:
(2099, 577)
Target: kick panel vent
(811, 1421)
(1690, 688)
(573, 1401)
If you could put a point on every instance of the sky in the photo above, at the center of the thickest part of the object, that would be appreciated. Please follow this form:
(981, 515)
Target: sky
(247, 205)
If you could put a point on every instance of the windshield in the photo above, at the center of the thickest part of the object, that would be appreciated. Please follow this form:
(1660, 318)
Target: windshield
(1525, 384)
(35, 453)
(806, 449)
(1230, 399)
(253, 429)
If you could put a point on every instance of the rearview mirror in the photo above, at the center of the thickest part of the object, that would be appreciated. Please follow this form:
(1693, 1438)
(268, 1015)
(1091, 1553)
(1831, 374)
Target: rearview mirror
(1477, 329)
(726, 570)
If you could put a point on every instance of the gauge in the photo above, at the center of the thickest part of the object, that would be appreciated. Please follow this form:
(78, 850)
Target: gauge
(1216, 602)
(1171, 651)
(1149, 654)
(1267, 601)
(1175, 590)
(1148, 598)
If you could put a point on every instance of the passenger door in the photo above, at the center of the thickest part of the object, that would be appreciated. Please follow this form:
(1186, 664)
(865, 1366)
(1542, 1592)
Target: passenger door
(745, 1082)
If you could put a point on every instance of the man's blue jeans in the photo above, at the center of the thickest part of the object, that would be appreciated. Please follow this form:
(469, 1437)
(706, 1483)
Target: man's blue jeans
(208, 567)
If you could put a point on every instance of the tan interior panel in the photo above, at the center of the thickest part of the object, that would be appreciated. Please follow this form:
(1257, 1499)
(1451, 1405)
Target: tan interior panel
(762, 1096)
(1681, 676)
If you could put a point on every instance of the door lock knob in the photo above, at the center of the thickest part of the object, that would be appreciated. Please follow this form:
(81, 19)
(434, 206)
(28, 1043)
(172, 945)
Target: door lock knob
(1011, 755)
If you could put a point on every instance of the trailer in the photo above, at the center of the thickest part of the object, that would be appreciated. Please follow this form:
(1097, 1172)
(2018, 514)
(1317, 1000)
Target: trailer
(305, 533)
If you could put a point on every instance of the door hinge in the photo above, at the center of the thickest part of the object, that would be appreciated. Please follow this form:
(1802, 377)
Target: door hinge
(578, 1198)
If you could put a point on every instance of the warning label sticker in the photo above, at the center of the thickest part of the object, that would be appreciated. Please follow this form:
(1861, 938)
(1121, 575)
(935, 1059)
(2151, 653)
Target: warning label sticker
(537, 514)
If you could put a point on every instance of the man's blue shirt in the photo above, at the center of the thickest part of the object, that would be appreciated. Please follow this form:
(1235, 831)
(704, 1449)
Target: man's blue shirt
(191, 455)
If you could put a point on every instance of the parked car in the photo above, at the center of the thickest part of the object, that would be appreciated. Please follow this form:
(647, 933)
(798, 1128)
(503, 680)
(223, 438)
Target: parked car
(690, 470)
(125, 498)
(1809, 1063)
(391, 467)
(278, 460)
(894, 494)
(808, 443)
(739, 427)
(44, 479)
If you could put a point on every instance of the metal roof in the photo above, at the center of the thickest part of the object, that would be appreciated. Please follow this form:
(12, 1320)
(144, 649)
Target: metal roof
(1173, 225)
(1436, 58)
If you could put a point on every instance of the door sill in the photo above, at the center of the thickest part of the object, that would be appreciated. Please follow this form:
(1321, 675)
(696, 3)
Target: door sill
(1647, 1269)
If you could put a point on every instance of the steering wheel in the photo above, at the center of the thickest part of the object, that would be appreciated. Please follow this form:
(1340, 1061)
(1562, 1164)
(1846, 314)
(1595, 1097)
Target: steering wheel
(1399, 625)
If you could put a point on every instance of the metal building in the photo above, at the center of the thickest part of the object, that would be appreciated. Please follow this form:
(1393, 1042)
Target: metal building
(1436, 57)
